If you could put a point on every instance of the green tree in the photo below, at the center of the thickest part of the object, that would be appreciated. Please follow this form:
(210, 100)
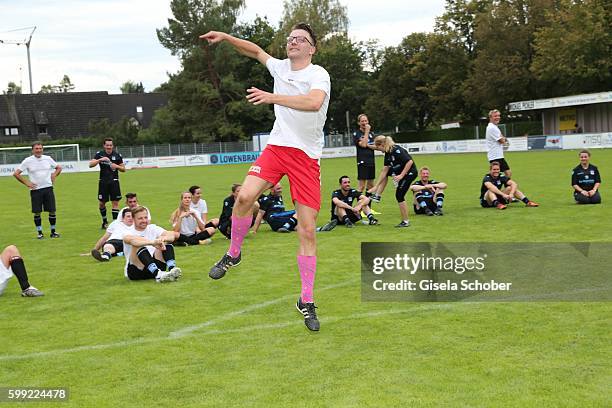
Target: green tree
(12, 89)
(65, 85)
(343, 60)
(325, 17)
(132, 87)
(573, 53)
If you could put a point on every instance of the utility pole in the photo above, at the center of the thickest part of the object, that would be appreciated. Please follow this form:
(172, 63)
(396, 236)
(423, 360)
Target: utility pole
(27, 43)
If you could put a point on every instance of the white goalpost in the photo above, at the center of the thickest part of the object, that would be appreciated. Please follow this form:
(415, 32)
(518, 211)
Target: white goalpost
(59, 153)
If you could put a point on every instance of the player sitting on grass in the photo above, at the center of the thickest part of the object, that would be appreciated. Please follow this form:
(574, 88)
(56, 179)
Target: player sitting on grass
(272, 209)
(11, 264)
(225, 219)
(188, 223)
(111, 243)
(492, 195)
(342, 209)
(586, 181)
(428, 194)
(148, 250)
(131, 202)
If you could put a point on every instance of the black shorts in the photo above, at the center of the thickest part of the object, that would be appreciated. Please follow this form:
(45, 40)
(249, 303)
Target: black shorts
(503, 164)
(109, 191)
(366, 171)
(134, 273)
(277, 220)
(430, 204)
(500, 199)
(403, 186)
(351, 216)
(116, 243)
(43, 199)
(225, 227)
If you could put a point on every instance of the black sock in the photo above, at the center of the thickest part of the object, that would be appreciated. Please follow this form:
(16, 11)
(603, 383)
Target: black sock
(52, 221)
(19, 270)
(103, 214)
(525, 200)
(209, 224)
(38, 222)
(168, 255)
(108, 254)
(115, 212)
(368, 194)
(345, 219)
(495, 203)
(440, 200)
(147, 260)
(203, 235)
(370, 216)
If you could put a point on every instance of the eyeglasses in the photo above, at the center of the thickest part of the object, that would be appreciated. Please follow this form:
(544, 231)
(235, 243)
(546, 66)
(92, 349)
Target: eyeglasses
(300, 39)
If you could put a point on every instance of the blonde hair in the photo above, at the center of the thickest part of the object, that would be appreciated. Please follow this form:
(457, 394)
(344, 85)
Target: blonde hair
(360, 115)
(424, 168)
(385, 141)
(492, 111)
(175, 214)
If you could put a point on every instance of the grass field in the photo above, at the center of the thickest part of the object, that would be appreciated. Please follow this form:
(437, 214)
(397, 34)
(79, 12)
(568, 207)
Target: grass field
(240, 342)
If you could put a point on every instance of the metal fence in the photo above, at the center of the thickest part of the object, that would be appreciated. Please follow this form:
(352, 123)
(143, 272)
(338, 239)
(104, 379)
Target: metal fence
(159, 150)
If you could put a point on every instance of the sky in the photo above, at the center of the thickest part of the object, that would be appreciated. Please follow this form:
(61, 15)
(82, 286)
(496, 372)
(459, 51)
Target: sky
(100, 44)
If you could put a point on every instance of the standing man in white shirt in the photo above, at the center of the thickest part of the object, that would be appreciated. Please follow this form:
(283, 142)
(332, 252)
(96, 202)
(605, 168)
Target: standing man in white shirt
(300, 98)
(496, 142)
(42, 171)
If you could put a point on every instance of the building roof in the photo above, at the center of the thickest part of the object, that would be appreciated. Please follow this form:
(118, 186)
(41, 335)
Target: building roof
(560, 102)
(68, 115)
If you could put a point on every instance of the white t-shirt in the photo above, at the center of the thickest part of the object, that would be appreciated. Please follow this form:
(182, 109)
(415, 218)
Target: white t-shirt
(117, 230)
(5, 275)
(39, 170)
(189, 225)
(200, 207)
(120, 216)
(151, 232)
(495, 149)
(295, 128)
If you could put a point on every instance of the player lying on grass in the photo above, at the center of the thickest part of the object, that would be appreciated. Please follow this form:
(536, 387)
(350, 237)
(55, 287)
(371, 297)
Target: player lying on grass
(428, 194)
(111, 243)
(497, 190)
(189, 224)
(586, 180)
(148, 250)
(11, 263)
(272, 209)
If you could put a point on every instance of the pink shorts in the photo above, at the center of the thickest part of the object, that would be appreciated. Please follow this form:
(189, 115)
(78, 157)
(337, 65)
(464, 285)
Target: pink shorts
(303, 172)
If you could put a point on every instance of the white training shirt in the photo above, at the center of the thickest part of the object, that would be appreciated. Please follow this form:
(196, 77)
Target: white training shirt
(117, 230)
(295, 128)
(120, 216)
(495, 149)
(151, 232)
(39, 170)
(200, 207)
(189, 225)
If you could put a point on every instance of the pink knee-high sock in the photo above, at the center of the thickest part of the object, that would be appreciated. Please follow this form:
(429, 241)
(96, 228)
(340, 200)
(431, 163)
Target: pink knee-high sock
(308, 267)
(240, 227)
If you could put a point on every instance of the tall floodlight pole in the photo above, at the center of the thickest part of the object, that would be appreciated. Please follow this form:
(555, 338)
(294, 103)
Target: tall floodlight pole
(27, 44)
(29, 63)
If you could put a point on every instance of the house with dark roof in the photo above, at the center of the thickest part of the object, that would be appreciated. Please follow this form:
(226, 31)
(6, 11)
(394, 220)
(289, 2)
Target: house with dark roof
(26, 117)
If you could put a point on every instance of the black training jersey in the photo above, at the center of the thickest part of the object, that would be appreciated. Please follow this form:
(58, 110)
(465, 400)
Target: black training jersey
(226, 212)
(427, 194)
(271, 204)
(585, 178)
(348, 199)
(500, 182)
(397, 158)
(106, 173)
(365, 155)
